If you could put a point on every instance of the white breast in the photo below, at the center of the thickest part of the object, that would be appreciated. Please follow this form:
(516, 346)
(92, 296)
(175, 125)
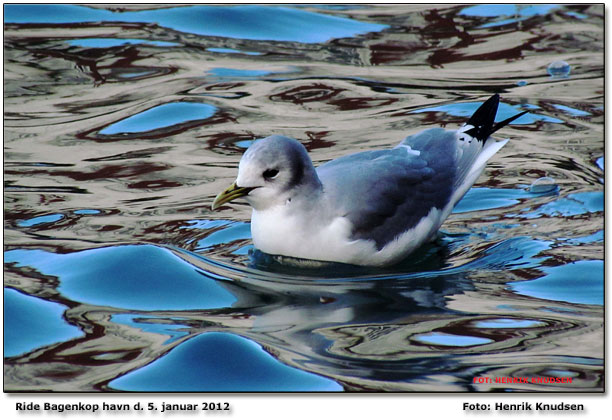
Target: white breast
(275, 231)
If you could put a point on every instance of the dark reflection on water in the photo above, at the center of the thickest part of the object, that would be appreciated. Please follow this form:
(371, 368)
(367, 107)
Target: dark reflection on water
(121, 125)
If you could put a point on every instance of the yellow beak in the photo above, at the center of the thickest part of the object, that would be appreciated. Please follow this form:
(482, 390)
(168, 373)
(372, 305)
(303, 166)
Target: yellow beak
(231, 193)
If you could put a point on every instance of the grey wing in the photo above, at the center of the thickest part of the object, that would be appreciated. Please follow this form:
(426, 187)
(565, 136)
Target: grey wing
(385, 193)
(439, 145)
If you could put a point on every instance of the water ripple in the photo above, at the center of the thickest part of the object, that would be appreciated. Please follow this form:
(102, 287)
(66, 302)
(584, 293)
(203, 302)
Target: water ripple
(123, 124)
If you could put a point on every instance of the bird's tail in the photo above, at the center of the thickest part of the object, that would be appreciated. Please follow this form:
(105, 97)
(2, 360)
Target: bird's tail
(483, 120)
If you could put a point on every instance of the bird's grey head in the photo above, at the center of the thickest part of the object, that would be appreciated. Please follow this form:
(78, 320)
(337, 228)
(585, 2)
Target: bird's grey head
(276, 169)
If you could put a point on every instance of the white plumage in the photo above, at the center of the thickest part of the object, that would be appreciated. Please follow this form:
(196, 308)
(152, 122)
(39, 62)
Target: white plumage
(369, 208)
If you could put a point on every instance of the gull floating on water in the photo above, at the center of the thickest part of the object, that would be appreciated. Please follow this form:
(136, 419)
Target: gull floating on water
(369, 208)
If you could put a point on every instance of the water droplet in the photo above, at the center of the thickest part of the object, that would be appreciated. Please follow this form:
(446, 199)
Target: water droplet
(559, 69)
(544, 185)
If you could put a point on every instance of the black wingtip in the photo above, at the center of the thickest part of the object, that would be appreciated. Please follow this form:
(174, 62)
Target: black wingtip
(507, 121)
(483, 120)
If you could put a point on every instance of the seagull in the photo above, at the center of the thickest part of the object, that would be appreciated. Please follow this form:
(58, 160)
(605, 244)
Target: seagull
(371, 208)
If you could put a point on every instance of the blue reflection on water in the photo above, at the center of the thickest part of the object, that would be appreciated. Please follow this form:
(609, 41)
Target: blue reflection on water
(87, 211)
(161, 116)
(490, 198)
(493, 10)
(520, 252)
(223, 72)
(466, 109)
(139, 277)
(130, 74)
(572, 111)
(244, 144)
(518, 12)
(577, 282)
(500, 22)
(508, 323)
(589, 239)
(232, 231)
(49, 218)
(245, 22)
(115, 42)
(31, 323)
(232, 51)
(572, 205)
(205, 224)
(576, 15)
(442, 339)
(221, 362)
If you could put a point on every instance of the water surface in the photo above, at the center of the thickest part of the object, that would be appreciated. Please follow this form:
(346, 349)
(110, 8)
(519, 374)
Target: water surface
(122, 123)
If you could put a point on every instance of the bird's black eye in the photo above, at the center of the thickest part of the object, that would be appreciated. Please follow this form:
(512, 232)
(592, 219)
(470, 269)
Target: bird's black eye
(270, 173)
